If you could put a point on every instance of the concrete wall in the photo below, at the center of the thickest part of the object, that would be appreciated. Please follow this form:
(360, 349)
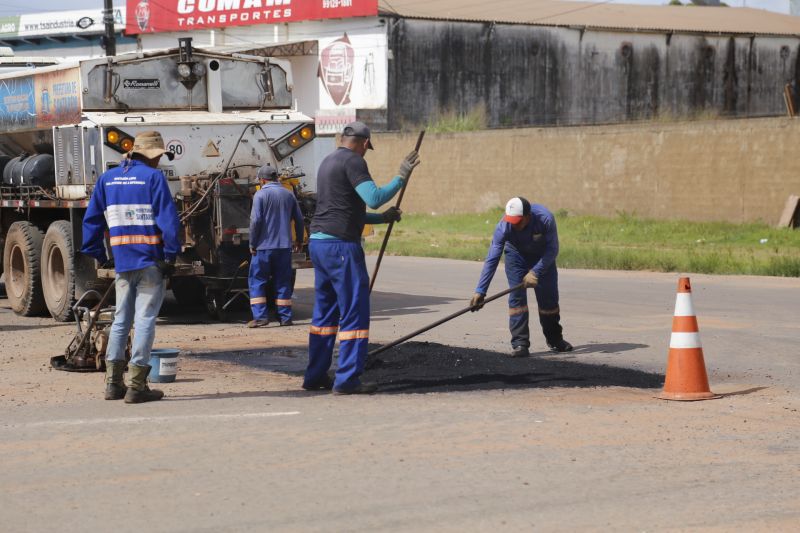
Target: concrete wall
(537, 75)
(734, 170)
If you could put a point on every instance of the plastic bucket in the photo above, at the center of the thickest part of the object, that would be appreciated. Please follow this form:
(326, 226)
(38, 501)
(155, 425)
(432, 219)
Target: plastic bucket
(164, 365)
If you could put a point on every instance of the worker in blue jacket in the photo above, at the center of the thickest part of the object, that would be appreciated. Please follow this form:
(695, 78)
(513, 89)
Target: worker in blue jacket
(133, 203)
(271, 245)
(528, 236)
(341, 283)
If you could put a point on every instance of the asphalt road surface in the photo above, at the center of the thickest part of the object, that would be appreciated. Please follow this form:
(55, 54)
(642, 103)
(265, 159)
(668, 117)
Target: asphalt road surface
(461, 438)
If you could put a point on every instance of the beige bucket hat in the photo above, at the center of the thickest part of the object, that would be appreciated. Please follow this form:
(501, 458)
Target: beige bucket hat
(150, 144)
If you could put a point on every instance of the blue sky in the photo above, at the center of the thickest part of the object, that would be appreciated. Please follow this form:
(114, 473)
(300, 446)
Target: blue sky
(17, 7)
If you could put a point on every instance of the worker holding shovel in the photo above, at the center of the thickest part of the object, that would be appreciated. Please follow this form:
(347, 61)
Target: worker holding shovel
(341, 283)
(528, 236)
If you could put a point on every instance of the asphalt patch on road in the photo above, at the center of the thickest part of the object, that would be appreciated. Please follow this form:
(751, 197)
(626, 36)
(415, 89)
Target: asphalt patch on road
(421, 367)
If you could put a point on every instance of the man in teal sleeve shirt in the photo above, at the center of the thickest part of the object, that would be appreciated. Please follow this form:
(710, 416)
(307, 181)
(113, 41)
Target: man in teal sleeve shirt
(341, 283)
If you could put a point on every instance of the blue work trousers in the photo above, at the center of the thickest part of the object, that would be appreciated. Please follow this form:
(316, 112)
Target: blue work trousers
(546, 297)
(277, 265)
(341, 304)
(140, 294)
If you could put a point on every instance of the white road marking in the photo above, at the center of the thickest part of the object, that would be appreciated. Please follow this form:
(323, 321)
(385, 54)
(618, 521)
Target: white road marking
(139, 419)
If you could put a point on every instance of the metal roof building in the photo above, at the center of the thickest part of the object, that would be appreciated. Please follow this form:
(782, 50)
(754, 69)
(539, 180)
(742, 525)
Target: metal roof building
(401, 63)
(528, 62)
(618, 17)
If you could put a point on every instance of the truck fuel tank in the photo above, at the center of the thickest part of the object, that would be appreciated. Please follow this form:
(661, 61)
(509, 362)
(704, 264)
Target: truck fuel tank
(35, 170)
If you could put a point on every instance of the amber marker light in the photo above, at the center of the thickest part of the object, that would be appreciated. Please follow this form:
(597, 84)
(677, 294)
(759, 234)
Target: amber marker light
(112, 137)
(293, 140)
(127, 145)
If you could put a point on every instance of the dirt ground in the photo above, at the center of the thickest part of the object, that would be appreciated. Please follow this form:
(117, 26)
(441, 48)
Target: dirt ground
(461, 437)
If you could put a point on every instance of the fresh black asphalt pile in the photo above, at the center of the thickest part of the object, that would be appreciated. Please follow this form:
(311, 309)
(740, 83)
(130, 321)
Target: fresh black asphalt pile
(419, 367)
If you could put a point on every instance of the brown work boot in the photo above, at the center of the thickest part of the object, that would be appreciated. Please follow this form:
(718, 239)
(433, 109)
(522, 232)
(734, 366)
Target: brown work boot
(115, 385)
(258, 323)
(139, 392)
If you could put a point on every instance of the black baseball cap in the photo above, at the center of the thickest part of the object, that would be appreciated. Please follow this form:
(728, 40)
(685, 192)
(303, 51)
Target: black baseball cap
(358, 129)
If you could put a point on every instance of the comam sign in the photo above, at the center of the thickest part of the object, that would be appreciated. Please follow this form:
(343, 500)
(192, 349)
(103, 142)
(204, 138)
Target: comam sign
(146, 16)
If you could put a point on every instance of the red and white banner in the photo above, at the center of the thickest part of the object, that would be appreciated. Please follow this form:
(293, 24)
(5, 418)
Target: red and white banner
(150, 16)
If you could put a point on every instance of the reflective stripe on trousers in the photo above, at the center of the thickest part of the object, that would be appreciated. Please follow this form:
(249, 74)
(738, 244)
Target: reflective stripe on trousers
(341, 299)
(546, 296)
(276, 265)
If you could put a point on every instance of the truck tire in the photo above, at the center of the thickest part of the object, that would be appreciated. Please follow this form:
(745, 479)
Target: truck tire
(22, 256)
(58, 270)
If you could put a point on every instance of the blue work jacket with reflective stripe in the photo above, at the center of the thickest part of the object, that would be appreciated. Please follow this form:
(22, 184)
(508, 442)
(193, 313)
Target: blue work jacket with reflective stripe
(537, 242)
(133, 202)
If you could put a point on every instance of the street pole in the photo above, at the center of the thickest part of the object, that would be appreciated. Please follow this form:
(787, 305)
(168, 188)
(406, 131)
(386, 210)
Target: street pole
(108, 21)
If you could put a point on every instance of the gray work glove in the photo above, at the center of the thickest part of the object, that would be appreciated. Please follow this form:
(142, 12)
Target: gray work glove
(530, 280)
(392, 214)
(476, 302)
(408, 165)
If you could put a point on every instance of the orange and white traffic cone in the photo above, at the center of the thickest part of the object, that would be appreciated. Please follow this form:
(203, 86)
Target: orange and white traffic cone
(686, 370)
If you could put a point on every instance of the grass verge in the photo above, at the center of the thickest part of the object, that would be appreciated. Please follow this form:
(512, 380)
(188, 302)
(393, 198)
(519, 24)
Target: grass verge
(625, 242)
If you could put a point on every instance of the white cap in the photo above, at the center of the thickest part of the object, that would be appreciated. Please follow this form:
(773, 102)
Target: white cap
(516, 208)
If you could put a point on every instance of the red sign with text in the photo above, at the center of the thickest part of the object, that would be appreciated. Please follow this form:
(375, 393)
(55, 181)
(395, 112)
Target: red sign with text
(150, 16)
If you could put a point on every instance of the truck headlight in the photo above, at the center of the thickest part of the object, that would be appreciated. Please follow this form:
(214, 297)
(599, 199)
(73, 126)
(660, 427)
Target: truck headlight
(184, 70)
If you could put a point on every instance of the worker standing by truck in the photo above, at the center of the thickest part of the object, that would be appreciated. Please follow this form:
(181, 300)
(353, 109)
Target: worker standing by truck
(271, 246)
(133, 203)
(529, 237)
(341, 283)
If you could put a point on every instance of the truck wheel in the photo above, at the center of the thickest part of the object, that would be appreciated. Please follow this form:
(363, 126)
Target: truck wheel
(58, 270)
(22, 256)
(188, 292)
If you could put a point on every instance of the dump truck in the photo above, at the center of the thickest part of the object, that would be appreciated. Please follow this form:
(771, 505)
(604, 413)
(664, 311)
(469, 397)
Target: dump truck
(221, 115)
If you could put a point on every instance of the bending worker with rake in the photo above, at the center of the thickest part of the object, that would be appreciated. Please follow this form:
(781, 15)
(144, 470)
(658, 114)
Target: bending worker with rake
(528, 235)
